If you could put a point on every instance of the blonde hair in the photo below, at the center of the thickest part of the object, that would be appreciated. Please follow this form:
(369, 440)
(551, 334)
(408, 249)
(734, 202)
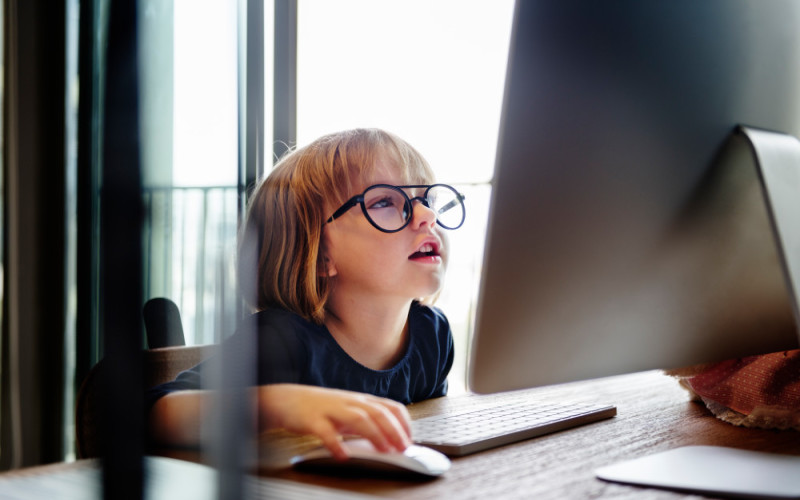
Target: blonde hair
(282, 236)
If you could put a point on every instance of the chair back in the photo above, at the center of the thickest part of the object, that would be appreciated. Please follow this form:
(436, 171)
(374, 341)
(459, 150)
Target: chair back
(162, 323)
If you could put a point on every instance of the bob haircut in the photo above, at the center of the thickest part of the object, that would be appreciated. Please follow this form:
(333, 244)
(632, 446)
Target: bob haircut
(282, 236)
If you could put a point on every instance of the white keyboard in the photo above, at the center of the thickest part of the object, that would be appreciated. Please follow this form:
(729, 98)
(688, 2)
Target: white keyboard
(459, 434)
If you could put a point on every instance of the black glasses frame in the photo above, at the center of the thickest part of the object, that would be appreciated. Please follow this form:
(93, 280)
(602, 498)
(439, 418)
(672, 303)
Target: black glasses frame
(359, 200)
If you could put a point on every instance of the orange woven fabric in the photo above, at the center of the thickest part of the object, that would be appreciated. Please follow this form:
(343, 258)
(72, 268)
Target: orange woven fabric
(770, 380)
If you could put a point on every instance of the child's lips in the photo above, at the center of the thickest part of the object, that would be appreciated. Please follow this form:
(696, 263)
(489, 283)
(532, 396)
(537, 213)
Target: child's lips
(428, 250)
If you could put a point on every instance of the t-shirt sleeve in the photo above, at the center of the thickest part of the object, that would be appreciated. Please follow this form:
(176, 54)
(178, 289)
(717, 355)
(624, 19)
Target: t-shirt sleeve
(186, 380)
(280, 356)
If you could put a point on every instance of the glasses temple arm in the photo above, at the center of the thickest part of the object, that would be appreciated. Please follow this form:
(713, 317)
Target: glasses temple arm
(344, 208)
(459, 200)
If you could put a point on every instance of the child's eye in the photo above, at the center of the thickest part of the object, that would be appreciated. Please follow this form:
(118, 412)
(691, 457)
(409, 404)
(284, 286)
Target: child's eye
(385, 202)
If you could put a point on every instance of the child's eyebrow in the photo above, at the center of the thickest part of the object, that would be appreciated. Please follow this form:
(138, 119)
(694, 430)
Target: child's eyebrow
(414, 192)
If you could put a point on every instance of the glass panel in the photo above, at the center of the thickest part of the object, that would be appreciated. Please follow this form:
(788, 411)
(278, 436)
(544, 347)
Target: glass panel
(72, 87)
(190, 135)
(432, 72)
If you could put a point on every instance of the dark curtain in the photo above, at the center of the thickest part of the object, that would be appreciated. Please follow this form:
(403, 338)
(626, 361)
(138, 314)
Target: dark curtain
(34, 180)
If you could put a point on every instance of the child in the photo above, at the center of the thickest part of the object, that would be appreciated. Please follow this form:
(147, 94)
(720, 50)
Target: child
(347, 237)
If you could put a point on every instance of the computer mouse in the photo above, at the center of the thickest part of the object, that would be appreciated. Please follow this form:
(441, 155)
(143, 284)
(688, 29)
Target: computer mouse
(415, 462)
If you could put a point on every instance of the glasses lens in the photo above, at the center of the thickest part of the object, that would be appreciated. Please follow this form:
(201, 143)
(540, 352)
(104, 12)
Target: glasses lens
(387, 207)
(448, 205)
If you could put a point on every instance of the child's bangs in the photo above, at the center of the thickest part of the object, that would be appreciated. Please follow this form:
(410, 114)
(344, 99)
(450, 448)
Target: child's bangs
(411, 166)
(348, 173)
(357, 156)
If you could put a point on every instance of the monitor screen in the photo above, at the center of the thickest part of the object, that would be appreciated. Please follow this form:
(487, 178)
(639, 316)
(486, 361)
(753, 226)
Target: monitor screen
(629, 227)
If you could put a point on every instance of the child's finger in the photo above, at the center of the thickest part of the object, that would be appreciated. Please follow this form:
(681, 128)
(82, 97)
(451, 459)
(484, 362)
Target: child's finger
(392, 425)
(330, 438)
(358, 420)
(388, 421)
(401, 413)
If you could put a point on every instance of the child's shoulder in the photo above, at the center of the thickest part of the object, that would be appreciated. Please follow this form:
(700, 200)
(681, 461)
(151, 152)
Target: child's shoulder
(428, 314)
(280, 330)
(278, 318)
(431, 336)
(418, 308)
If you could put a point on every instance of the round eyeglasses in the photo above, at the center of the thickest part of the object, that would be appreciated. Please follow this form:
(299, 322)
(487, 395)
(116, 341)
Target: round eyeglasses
(389, 209)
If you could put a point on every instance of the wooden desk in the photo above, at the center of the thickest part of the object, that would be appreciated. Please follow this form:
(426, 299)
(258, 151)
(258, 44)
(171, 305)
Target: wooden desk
(654, 414)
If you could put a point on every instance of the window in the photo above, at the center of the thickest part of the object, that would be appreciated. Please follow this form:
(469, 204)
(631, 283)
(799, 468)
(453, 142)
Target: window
(190, 160)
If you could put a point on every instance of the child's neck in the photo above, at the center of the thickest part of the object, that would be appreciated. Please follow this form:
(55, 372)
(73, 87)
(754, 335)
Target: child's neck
(375, 335)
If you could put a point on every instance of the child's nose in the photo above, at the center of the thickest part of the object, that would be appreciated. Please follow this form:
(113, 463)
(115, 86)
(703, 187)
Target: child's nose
(422, 214)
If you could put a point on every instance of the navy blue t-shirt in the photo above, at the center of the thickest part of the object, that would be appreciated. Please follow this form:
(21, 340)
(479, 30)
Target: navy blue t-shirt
(294, 350)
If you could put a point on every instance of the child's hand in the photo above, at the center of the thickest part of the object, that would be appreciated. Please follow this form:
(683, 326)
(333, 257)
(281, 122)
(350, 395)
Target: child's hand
(330, 413)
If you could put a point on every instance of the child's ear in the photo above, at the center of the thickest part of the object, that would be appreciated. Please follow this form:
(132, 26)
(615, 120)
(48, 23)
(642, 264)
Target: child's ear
(327, 268)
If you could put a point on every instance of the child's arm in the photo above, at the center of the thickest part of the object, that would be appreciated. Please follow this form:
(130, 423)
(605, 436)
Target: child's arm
(175, 419)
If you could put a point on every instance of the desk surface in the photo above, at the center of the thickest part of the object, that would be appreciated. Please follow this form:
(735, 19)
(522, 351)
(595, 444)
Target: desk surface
(654, 414)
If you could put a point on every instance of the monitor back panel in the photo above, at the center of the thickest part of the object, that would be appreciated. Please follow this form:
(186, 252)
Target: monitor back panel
(628, 228)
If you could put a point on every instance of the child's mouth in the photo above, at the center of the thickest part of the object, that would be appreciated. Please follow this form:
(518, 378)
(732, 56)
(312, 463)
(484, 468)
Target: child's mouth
(427, 250)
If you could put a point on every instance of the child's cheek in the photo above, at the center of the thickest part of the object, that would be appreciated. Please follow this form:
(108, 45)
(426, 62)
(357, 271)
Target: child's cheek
(444, 251)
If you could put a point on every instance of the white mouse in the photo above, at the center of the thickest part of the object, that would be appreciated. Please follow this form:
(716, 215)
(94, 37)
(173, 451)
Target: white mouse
(414, 461)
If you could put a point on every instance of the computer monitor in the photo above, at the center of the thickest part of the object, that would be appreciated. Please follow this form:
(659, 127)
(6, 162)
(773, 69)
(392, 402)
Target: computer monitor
(630, 227)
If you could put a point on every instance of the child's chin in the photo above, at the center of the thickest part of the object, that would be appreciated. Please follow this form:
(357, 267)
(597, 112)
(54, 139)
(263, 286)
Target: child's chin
(429, 294)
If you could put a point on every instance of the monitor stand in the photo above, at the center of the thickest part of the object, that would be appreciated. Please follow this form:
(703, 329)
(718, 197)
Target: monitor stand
(719, 470)
(777, 158)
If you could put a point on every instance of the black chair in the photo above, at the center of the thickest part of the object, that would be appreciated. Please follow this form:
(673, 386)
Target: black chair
(166, 357)
(162, 323)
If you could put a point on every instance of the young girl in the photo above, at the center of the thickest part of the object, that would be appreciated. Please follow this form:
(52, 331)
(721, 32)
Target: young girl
(343, 251)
